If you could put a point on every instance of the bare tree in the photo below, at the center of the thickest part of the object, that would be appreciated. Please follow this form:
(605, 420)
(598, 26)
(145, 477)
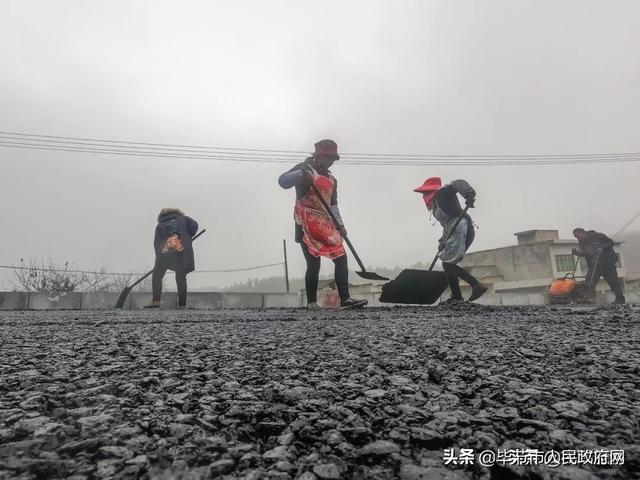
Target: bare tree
(46, 276)
(119, 282)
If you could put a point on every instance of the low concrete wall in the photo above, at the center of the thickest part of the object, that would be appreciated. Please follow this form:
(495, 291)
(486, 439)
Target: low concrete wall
(137, 300)
(205, 300)
(102, 301)
(218, 300)
(169, 300)
(372, 298)
(14, 301)
(520, 298)
(491, 299)
(538, 299)
(55, 301)
(242, 300)
(281, 300)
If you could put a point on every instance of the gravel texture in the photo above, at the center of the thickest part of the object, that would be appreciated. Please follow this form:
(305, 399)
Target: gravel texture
(315, 395)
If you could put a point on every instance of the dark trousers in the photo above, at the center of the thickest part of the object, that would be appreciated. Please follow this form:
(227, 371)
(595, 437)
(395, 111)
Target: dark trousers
(454, 273)
(169, 261)
(605, 268)
(313, 270)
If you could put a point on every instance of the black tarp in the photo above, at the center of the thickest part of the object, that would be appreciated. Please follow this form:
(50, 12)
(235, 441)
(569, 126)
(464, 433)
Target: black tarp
(422, 287)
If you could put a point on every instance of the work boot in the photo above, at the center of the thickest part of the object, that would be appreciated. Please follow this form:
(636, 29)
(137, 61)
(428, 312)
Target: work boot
(350, 304)
(182, 307)
(153, 304)
(451, 301)
(477, 291)
(313, 306)
(620, 300)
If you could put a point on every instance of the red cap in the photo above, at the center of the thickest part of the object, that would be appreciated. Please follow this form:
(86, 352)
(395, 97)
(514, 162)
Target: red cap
(431, 184)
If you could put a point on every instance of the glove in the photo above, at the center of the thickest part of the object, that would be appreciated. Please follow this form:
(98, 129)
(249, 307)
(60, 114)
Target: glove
(470, 202)
(575, 252)
(441, 244)
(342, 230)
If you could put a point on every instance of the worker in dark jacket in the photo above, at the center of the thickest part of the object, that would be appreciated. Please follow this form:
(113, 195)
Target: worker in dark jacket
(597, 249)
(443, 202)
(174, 251)
(315, 230)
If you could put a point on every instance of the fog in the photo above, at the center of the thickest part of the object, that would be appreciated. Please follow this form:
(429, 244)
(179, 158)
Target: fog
(406, 77)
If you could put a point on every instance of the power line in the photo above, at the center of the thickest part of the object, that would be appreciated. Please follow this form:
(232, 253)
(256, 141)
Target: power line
(153, 144)
(142, 154)
(240, 269)
(233, 157)
(61, 270)
(122, 147)
(45, 141)
(626, 225)
(64, 270)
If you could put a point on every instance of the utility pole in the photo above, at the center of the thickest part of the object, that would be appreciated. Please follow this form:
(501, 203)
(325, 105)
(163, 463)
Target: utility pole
(286, 264)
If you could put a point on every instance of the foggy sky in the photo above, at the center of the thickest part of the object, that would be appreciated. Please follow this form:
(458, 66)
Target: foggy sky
(428, 77)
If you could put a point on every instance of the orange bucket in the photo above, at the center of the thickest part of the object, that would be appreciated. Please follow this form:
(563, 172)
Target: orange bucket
(562, 286)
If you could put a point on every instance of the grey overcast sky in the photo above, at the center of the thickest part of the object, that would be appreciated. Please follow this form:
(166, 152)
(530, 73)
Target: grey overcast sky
(430, 77)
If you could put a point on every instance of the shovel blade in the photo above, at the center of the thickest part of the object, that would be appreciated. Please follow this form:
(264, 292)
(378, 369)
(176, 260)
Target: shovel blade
(372, 276)
(123, 297)
(417, 287)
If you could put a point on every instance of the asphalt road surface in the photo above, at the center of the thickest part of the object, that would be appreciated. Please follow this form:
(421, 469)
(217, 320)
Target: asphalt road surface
(380, 393)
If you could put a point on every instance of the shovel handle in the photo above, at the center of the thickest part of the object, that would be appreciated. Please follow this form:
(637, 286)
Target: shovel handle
(335, 222)
(455, 225)
(594, 272)
(575, 266)
(130, 287)
(198, 234)
(353, 251)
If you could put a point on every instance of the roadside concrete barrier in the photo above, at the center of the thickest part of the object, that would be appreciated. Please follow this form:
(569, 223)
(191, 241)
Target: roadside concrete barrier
(281, 300)
(14, 301)
(55, 301)
(102, 301)
(138, 300)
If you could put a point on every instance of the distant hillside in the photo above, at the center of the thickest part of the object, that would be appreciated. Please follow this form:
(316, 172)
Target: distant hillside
(277, 284)
(266, 285)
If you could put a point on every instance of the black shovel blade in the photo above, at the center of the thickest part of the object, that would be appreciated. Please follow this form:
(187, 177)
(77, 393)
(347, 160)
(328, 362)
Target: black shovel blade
(123, 297)
(372, 276)
(417, 287)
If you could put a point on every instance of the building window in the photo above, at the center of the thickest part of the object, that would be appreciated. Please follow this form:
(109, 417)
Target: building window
(564, 263)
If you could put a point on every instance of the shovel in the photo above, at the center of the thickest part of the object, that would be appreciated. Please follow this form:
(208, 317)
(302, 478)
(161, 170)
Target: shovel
(422, 287)
(363, 273)
(590, 283)
(127, 290)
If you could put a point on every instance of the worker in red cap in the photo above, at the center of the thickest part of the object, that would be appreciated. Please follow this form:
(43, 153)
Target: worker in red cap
(315, 231)
(443, 202)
